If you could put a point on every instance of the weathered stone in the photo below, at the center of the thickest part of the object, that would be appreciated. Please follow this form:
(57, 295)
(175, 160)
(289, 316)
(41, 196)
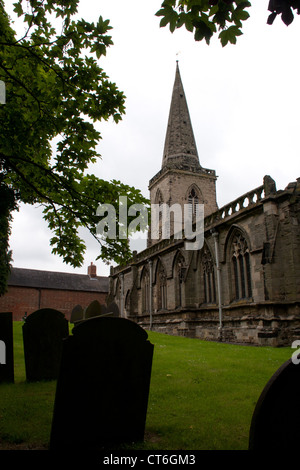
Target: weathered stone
(103, 385)
(258, 248)
(94, 310)
(275, 421)
(6, 348)
(43, 334)
(76, 314)
(113, 309)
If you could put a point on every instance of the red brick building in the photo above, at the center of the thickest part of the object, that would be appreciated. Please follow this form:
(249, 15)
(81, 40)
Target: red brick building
(31, 289)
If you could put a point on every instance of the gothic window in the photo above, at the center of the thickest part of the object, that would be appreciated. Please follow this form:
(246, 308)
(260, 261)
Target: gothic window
(193, 201)
(118, 291)
(180, 270)
(241, 267)
(145, 285)
(208, 276)
(127, 304)
(161, 288)
(159, 201)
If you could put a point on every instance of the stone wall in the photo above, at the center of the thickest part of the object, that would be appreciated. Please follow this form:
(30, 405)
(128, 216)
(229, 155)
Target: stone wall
(269, 222)
(267, 324)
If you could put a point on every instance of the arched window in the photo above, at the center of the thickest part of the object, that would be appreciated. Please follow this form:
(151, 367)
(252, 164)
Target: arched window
(145, 286)
(241, 266)
(159, 201)
(127, 303)
(180, 270)
(161, 287)
(118, 292)
(208, 276)
(193, 201)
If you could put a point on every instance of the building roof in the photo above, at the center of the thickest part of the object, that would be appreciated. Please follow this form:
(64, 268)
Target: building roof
(22, 277)
(180, 145)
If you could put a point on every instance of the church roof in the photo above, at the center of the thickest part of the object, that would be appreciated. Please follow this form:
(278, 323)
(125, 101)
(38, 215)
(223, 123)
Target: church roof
(180, 146)
(39, 279)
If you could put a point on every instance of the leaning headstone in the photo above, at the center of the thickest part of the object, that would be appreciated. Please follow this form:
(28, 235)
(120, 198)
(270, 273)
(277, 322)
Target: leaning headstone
(103, 385)
(114, 309)
(94, 309)
(6, 348)
(276, 418)
(43, 334)
(76, 314)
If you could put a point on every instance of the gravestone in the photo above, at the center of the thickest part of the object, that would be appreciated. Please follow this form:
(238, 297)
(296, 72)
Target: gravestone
(6, 348)
(43, 332)
(114, 309)
(276, 418)
(95, 309)
(103, 385)
(76, 314)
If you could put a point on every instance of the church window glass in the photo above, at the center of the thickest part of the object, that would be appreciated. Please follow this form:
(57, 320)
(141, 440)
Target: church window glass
(241, 267)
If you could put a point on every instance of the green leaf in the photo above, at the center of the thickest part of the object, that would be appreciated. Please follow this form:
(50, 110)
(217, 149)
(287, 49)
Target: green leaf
(229, 35)
(203, 29)
(170, 3)
(18, 9)
(189, 22)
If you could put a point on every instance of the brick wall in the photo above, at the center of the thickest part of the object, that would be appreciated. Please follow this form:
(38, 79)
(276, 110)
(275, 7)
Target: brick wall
(19, 300)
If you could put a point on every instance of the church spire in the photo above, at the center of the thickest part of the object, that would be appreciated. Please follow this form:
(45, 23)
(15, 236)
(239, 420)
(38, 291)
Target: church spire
(180, 148)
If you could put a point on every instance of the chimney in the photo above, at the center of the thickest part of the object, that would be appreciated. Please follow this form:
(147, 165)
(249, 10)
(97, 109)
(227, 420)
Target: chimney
(92, 271)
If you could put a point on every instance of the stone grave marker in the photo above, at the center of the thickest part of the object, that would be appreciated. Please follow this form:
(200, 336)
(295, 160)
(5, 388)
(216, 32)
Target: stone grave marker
(6, 348)
(103, 385)
(114, 309)
(276, 418)
(95, 309)
(43, 332)
(76, 314)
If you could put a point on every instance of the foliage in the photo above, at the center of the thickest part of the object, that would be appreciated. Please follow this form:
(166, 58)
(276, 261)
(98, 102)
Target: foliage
(7, 205)
(55, 93)
(205, 17)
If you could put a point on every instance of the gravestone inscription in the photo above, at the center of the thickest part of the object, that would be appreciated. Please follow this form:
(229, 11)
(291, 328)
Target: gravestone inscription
(43, 333)
(276, 418)
(6, 348)
(103, 385)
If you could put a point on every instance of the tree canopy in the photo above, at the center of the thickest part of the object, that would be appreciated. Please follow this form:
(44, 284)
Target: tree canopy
(55, 93)
(204, 18)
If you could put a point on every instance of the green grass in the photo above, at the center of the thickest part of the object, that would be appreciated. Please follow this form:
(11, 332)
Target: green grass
(202, 396)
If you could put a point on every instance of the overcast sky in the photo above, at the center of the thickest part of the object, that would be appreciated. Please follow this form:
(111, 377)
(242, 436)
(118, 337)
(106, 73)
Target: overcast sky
(244, 103)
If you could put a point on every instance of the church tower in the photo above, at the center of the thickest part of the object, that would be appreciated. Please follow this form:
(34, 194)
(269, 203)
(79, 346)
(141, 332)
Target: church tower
(182, 180)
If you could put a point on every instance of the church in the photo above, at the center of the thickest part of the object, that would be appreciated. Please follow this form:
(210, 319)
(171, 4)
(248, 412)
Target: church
(243, 284)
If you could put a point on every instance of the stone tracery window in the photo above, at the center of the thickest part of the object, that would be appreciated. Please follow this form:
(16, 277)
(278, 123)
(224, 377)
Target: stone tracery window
(145, 285)
(161, 287)
(180, 270)
(240, 257)
(127, 303)
(159, 201)
(208, 276)
(193, 201)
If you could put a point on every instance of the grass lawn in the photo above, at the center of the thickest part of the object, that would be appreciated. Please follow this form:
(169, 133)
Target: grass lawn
(202, 396)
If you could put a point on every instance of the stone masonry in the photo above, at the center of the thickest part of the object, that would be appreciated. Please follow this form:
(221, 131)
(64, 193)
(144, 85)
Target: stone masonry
(243, 285)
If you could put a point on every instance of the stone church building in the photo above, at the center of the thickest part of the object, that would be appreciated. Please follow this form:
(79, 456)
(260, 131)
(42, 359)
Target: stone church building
(243, 285)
